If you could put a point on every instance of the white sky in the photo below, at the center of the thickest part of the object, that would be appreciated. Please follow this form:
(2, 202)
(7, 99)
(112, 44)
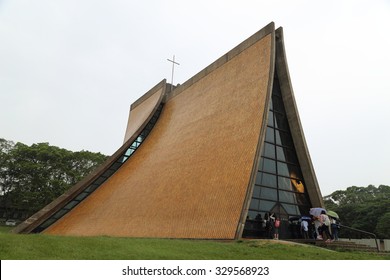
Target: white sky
(70, 69)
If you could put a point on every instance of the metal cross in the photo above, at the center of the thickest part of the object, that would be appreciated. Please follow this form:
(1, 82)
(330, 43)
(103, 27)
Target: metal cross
(173, 69)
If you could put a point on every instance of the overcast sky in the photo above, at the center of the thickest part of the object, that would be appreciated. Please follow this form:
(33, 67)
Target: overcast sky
(69, 70)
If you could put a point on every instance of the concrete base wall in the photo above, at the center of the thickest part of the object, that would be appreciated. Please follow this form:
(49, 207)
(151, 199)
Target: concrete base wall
(384, 244)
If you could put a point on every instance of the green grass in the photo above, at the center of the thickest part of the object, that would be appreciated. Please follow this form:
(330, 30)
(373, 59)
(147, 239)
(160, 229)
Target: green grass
(5, 229)
(46, 247)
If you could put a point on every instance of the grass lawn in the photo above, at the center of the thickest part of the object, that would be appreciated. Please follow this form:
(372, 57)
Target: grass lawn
(5, 229)
(46, 247)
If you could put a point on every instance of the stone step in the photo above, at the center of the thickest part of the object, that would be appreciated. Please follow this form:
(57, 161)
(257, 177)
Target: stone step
(336, 245)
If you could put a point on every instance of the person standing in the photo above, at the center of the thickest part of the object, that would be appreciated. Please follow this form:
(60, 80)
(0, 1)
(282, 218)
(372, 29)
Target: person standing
(325, 225)
(334, 228)
(276, 230)
(317, 225)
(270, 224)
(305, 229)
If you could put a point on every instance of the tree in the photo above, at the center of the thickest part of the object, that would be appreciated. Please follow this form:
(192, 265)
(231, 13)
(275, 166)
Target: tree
(383, 226)
(364, 208)
(33, 176)
(5, 179)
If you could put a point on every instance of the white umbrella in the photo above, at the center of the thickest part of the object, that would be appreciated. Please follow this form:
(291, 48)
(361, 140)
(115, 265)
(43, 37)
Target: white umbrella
(316, 211)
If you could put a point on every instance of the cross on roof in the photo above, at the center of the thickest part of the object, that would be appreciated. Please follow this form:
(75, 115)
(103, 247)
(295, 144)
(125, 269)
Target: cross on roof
(173, 69)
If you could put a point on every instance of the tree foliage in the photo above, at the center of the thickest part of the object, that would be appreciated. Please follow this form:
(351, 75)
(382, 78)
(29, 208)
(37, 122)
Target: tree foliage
(364, 208)
(383, 225)
(33, 176)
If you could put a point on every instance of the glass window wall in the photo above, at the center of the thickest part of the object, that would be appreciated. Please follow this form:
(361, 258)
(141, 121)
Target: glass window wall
(279, 185)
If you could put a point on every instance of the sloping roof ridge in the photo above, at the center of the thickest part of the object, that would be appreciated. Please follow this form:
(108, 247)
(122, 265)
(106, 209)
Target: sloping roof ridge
(148, 94)
(268, 29)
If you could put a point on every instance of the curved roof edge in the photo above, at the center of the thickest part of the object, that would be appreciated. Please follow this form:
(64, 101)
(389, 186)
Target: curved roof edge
(256, 160)
(268, 29)
(144, 107)
(294, 121)
(45, 213)
(149, 93)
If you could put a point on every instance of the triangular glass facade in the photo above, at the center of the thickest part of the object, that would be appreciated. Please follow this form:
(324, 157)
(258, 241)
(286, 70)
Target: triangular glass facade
(279, 186)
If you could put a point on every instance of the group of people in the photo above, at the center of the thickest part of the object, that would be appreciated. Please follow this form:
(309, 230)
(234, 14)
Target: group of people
(322, 227)
(271, 224)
